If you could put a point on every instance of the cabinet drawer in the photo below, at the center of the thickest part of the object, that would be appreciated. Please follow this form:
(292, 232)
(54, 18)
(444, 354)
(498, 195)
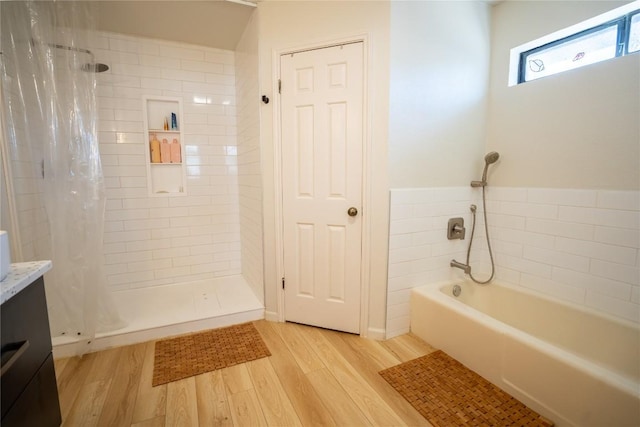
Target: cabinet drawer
(38, 404)
(26, 340)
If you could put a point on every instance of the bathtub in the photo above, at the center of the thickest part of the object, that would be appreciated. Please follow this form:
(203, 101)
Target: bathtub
(573, 366)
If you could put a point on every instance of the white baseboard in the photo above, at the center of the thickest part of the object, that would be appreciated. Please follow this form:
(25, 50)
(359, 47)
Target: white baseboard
(271, 316)
(397, 332)
(376, 334)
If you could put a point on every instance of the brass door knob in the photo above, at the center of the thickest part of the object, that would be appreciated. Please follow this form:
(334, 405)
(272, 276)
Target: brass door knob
(352, 211)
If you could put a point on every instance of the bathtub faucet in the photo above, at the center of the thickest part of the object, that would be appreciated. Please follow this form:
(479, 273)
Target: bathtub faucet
(464, 267)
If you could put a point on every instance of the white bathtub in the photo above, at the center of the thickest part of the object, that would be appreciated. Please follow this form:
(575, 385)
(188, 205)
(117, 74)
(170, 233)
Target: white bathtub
(573, 366)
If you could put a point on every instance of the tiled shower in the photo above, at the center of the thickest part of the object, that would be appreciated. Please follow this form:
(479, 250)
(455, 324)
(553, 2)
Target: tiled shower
(173, 245)
(156, 241)
(151, 241)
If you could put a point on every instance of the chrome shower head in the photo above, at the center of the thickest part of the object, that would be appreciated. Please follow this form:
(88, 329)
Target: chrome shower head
(491, 157)
(94, 67)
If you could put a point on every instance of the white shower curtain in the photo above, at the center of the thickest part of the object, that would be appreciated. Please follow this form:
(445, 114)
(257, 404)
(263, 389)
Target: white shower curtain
(50, 118)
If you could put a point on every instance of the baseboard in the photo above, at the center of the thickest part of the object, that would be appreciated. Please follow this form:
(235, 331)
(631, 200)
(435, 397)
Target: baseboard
(376, 334)
(396, 333)
(272, 316)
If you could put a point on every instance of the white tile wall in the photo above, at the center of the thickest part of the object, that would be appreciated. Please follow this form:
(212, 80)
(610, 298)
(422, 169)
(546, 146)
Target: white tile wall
(249, 170)
(151, 241)
(419, 252)
(581, 246)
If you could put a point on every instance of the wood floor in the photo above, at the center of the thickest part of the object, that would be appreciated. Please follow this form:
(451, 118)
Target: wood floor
(314, 377)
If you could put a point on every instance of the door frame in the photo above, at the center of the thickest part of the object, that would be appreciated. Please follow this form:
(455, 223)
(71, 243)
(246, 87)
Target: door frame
(366, 171)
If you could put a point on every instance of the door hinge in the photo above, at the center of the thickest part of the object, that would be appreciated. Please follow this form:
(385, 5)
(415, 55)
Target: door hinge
(279, 86)
(283, 283)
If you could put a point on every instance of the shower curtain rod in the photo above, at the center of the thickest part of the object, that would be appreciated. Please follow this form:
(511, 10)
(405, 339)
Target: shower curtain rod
(64, 47)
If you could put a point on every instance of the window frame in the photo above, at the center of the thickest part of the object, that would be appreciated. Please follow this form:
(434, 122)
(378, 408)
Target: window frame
(622, 22)
(628, 32)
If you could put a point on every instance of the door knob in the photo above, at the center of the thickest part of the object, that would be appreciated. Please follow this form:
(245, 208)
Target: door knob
(352, 211)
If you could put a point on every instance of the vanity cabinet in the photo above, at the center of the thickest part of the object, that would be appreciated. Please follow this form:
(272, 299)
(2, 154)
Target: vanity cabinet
(29, 394)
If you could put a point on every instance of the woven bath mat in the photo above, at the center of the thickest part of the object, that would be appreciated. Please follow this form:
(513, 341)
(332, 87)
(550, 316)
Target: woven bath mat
(447, 394)
(194, 354)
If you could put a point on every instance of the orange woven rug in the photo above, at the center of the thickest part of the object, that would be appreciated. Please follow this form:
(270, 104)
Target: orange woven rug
(447, 394)
(189, 355)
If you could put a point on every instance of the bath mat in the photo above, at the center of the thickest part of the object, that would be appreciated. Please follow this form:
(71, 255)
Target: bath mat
(194, 354)
(446, 393)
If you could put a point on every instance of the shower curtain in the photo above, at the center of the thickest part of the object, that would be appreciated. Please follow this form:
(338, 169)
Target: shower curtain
(49, 113)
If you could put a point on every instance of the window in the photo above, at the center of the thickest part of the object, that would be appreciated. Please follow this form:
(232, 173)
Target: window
(610, 35)
(634, 33)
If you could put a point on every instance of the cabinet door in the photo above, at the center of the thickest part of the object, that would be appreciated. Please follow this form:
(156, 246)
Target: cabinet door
(38, 404)
(26, 340)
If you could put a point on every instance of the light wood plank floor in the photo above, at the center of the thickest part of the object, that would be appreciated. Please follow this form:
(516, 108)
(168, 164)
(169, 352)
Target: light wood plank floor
(314, 377)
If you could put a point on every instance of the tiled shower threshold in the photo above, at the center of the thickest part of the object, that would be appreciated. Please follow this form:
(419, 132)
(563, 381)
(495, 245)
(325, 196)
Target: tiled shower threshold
(162, 311)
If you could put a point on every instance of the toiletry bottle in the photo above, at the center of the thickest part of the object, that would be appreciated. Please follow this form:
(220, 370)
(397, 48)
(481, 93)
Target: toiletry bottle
(174, 121)
(165, 151)
(155, 149)
(175, 151)
(166, 124)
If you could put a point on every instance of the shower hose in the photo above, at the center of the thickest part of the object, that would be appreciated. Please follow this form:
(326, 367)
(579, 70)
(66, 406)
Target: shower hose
(486, 230)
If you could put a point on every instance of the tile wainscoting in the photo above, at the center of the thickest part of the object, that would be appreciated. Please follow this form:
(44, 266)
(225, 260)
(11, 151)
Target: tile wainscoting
(581, 246)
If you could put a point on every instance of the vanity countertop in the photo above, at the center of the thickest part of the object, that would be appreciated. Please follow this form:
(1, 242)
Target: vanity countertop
(21, 275)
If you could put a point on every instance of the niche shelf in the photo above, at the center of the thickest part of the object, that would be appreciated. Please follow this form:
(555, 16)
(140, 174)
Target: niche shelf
(166, 174)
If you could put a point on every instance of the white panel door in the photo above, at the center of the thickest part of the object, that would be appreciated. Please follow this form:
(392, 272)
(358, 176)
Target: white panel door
(322, 145)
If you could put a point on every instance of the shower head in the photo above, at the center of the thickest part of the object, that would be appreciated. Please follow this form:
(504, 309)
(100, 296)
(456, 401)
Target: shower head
(94, 67)
(491, 157)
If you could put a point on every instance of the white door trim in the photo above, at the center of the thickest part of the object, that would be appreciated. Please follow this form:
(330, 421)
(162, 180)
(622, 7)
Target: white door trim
(366, 171)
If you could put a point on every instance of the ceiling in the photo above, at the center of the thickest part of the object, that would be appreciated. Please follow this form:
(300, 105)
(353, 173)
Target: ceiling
(213, 23)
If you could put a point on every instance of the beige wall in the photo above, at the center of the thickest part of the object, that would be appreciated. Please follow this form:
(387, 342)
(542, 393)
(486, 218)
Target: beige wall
(290, 25)
(578, 129)
(439, 80)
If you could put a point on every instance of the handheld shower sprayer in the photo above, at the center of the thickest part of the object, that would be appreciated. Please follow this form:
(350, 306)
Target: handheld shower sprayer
(489, 159)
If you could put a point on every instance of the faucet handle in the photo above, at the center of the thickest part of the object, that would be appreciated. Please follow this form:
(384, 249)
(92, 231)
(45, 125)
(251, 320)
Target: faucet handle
(455, 229)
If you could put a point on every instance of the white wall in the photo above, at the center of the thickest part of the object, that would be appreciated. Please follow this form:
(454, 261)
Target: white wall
(438, 91)
(151, 241)
(577, 129)
(249, 170)
(294, 24)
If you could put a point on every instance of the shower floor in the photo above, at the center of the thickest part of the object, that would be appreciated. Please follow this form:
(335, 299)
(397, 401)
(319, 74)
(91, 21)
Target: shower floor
(162, 311)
